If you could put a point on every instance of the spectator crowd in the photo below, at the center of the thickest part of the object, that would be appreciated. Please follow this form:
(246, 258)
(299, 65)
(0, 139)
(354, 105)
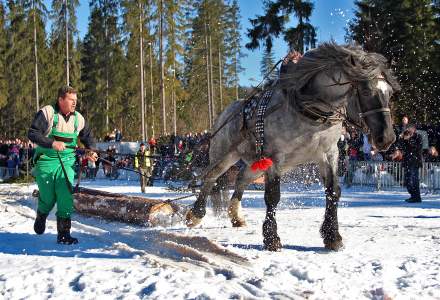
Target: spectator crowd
(14, 154)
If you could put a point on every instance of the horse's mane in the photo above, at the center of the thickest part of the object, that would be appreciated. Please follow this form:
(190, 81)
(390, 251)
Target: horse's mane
(351, 59)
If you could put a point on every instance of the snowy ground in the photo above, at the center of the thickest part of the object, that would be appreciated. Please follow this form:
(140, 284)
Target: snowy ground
(392, 251)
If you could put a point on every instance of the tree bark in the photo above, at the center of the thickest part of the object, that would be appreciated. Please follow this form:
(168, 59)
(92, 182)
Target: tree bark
(119, 207)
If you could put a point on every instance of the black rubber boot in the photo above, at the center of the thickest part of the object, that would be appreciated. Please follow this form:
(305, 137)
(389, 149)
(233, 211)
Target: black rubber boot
(40, 223)
(63, 227)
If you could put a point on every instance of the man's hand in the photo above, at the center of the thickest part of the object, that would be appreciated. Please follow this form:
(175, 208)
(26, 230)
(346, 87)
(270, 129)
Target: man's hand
(92, 156)
(58, 146)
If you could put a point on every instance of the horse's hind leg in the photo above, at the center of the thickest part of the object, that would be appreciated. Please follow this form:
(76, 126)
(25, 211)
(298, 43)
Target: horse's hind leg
(245, 177)
(220, 195)
(195, 214)
(272, 195)
(330, 228)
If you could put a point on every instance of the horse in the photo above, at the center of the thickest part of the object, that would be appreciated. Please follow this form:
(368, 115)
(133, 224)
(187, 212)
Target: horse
(329, 85)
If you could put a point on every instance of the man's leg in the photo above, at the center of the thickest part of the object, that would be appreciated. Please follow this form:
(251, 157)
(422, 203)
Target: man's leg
(150, 177)
(64, 206)
(46, 200)
(407, 181)
(415, 182)
(143, 179)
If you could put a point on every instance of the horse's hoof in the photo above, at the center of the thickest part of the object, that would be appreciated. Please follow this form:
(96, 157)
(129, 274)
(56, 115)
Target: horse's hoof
(334, 245)
(273, 245)
(191, 220)
(237, 222)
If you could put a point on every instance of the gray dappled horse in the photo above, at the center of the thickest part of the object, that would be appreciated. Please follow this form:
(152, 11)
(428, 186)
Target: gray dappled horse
(303, 121)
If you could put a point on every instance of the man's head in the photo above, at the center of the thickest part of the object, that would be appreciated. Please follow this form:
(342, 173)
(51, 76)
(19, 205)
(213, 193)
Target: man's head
(67, 98)
(142, 147)
(405, 120)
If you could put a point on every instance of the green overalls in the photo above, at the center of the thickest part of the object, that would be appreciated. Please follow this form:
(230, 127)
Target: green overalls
(49, 173)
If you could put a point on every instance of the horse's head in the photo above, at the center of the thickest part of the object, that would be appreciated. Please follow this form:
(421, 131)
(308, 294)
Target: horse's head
(333, 82)
(373, 100)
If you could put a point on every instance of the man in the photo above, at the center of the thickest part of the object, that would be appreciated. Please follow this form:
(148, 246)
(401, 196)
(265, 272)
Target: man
(411, 145)
(56, 129)
(290, 59)
(404, 125)
(142, 162)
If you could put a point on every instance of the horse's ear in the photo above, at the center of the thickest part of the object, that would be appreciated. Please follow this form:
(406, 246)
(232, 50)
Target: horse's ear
(352, 60)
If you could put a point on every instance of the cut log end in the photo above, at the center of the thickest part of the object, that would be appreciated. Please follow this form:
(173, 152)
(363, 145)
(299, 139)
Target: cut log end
(161, 214)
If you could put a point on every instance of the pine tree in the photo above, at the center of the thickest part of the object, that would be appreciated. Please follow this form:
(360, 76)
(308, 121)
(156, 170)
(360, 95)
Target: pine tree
(132, 15)
(273, 23)
(266, 65)
(37, 12)
(20, 70)
(63, 68)
(406, 33)
(175, 27)
(3, 79)
(202, 58)
(233, 52)
(103, 62)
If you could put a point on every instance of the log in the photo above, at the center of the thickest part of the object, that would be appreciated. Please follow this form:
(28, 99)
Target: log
(123, 208)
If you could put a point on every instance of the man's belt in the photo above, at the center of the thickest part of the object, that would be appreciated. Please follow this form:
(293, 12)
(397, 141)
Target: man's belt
(62, 139)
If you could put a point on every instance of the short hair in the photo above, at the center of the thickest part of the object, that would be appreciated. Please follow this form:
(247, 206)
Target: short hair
(66, 89)
(142, 144)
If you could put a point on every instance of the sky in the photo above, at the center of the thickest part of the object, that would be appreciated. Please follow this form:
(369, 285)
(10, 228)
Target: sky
(329, 16)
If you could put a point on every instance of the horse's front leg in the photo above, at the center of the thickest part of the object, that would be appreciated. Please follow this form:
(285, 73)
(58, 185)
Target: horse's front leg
(197, 212)
(330, 228)
(271, 240)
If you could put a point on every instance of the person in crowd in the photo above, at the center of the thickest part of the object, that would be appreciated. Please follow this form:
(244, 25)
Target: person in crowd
(291, 58)
(366, 147)
(396, 156)
(142, 162)
(425, 139)
(91, 167)
(56, 130)
(411, 146)
(152, 143)
(432, 155)
(108, 165)
(11, 164)
(118, 136)
(375, 155)
(354, 154)
(404, 124)
(342, 147)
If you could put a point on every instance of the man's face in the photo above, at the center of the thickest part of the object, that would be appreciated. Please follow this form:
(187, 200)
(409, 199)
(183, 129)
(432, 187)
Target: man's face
(405, 120)
(67, 104)
(142, 148)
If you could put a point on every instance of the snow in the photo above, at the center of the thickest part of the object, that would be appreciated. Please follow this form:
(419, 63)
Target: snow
(391, 251)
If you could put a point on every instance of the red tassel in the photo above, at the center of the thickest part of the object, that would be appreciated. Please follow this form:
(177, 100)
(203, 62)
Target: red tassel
(262, 164)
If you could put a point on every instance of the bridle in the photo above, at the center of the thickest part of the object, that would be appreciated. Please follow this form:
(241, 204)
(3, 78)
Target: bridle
(338, 114)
